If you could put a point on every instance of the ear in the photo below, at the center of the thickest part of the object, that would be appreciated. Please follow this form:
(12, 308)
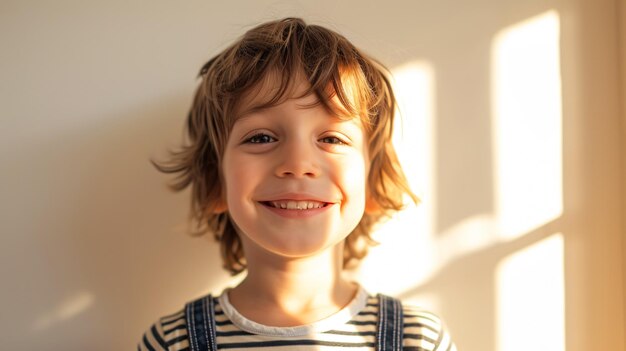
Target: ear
(371, 206)
(220, 205)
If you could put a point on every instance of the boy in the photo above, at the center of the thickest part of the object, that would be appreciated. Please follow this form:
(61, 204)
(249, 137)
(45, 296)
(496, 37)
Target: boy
(291, 164)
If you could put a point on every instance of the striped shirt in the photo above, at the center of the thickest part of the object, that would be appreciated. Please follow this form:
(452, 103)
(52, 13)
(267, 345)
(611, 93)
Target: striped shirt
(353, 329)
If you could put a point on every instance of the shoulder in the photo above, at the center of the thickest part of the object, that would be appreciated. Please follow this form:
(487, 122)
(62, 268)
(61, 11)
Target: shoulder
(424, 330)
(169, 332)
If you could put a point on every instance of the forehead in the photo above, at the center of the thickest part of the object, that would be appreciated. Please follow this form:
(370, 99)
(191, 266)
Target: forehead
(274, 89)
(270, 90)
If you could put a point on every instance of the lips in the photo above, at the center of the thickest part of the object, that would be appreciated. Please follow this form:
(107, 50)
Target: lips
(295, 204)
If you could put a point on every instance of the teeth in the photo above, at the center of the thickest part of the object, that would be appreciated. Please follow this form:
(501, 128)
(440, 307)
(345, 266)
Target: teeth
(297, 205)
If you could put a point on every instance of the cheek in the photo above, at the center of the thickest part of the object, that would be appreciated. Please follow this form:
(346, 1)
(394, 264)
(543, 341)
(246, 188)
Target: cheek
(354, 179)
(235, 179)
(242, 177)
(238, 178)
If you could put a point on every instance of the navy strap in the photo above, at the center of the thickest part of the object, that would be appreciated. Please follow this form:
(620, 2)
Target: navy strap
(390, 324)
(200, 316)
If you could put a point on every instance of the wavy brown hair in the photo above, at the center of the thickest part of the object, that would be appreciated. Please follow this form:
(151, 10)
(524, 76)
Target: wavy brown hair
(336, 71)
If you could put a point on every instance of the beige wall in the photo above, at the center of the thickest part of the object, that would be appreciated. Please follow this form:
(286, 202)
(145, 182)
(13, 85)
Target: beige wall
(594, 176)
(622, 58)
(92, 244)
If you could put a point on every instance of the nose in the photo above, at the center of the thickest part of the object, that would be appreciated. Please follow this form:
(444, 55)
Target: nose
(298, 159)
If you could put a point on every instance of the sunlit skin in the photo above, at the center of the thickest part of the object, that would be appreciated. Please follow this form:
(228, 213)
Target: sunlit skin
(295, 184)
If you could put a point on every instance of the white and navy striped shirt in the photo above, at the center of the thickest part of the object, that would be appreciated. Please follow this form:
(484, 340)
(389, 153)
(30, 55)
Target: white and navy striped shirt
(351, 329)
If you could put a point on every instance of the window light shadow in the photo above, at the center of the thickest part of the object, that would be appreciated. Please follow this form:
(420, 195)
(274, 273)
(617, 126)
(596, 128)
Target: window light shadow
(530, 298)
(67, 309)
(527, 124)
(515, 243)
(407, 234)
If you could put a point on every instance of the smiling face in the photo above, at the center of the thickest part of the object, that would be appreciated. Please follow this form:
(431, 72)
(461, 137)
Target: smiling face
(294, 177)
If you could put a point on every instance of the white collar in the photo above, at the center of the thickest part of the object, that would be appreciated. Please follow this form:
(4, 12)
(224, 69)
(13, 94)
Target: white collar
(331, 322)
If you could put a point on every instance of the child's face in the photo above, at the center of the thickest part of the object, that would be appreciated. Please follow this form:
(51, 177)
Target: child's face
(295, 178)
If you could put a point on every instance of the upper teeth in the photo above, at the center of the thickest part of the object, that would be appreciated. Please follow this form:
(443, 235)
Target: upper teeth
(297, 205)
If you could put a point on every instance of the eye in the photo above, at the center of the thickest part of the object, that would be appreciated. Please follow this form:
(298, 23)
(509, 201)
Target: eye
(260, 138)
(333, 140)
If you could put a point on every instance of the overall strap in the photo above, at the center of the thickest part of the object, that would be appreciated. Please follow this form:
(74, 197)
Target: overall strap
(200, 315)
(390, 324)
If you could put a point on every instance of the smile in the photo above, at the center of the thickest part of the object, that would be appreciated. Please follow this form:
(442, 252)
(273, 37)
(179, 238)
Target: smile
(294, 205)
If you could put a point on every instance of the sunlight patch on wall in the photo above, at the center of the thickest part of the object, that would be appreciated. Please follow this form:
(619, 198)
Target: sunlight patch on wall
(530, 298)
(406, 239)
(468, 236)
(414, 133)
(70, 307)
(527, 125)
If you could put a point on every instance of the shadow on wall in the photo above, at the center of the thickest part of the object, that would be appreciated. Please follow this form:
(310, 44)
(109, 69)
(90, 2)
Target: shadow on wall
(468, 288)
(484, 247)
(108, 244)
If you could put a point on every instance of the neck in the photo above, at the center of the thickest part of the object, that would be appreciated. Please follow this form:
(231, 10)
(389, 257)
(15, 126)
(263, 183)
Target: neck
(289, 292)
